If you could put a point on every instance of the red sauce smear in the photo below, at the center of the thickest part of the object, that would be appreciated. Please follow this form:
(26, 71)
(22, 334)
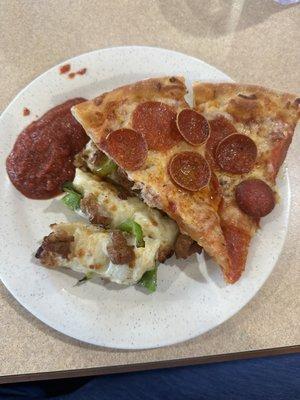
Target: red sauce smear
(81, 71)
(26, 111)
(64, 69)
(42, 157)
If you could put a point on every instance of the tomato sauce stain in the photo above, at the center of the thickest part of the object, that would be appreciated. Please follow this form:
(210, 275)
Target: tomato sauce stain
(81, 71)
(26, 112)
(64, 69)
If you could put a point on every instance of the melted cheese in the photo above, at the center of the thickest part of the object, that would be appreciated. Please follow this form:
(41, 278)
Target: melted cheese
(88, 253)
(154, 224)
(89, 249)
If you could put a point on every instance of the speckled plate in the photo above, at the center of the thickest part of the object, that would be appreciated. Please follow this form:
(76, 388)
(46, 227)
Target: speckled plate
(191, 297)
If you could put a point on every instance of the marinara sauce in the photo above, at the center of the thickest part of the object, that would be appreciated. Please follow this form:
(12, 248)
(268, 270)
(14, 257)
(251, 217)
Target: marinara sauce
(42, 157)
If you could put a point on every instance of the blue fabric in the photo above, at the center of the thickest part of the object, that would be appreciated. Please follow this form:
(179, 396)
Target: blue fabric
(272, 378)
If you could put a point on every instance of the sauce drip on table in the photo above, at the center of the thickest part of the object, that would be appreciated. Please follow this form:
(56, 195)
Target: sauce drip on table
(43, 154)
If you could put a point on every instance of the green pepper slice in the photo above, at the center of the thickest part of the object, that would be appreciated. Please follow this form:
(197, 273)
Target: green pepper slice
(106, 167)
(72, 198)
(149, 280)
(130, 226)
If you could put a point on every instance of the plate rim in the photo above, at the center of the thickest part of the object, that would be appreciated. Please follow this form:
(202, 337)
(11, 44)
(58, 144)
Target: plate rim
(222, 320)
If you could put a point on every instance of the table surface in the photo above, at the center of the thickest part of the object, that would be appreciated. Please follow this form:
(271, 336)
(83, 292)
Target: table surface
(251, 41)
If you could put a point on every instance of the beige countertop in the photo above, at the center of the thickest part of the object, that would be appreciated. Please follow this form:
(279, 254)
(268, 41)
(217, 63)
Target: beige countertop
(252, 41)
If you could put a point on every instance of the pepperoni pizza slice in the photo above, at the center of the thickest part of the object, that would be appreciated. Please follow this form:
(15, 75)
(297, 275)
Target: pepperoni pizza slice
(251, 129)
(137, 127)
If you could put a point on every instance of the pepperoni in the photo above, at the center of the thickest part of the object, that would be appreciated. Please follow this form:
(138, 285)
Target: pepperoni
(236, 154)
(157, 123)
(127, 147)
(189, 170)
(193, 126)
(255, 197)
(220, 127)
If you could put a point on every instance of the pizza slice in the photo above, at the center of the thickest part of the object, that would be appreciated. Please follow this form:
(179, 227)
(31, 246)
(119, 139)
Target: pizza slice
(137, 127)
(251, 129)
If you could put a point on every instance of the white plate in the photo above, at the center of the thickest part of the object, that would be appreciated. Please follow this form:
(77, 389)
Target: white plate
(191, 297)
